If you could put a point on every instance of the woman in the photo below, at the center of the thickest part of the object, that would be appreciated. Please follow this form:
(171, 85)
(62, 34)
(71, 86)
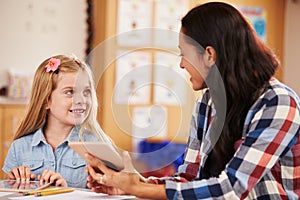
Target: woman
(244, 138)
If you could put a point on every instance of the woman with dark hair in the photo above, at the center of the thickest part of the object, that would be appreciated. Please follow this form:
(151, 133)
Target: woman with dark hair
(244, 137)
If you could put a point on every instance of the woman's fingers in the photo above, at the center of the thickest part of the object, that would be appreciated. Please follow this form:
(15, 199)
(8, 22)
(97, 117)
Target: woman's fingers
(105, 189)
(110, 180)
(97, 164)
(100, 178)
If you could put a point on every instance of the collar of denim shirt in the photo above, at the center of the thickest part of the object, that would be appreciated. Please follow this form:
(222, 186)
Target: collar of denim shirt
(39, 137)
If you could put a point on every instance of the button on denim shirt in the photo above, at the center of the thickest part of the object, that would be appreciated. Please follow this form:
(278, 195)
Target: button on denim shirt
(34, 151)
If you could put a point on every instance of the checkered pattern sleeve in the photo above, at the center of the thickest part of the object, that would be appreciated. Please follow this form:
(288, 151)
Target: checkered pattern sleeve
(199, 124)
(264, 166)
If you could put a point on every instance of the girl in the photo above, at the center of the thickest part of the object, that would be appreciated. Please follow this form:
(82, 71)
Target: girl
(62, 107)
(244, 137)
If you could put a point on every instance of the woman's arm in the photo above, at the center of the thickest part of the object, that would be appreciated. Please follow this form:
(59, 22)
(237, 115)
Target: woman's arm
(127, 181)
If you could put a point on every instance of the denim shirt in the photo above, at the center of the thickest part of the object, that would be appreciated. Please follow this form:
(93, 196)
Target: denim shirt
(34, 151)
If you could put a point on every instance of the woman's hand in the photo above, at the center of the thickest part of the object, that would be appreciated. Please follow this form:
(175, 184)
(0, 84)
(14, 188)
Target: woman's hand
(106, 180)
(52, 177)
(21, 173)
(100, 188)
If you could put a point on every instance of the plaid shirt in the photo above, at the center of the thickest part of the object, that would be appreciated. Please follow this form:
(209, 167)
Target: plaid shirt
(266, 163)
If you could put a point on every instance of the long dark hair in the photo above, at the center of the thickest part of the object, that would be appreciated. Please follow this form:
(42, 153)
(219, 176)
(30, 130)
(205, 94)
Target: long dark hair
(244, 63)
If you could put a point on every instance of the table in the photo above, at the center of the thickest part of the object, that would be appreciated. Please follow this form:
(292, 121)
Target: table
(82, 194)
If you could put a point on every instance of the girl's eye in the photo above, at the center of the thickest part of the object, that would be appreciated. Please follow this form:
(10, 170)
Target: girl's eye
(69, 92)
(87, 92)
(180, 55)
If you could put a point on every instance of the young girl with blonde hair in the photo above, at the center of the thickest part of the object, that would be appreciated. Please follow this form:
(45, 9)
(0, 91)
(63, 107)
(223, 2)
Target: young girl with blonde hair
(62, 108)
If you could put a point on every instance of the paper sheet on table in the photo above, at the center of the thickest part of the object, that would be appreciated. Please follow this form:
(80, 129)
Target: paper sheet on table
(2, 194)
(77, 194)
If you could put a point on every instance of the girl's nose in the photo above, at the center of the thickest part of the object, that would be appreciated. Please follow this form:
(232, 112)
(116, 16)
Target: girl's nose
(79, 98)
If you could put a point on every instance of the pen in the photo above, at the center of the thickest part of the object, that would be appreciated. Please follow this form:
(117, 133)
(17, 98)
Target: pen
(44, 186)
(35, 191)
(58, 191)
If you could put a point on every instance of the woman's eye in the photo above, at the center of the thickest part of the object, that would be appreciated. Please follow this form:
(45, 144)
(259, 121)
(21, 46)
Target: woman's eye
(180, 55)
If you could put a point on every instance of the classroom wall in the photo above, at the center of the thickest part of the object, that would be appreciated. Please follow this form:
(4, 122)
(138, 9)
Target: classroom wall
(292, 45)
(32, 30)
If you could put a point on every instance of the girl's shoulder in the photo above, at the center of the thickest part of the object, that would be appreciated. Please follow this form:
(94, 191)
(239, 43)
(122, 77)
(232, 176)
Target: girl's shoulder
(26, 138)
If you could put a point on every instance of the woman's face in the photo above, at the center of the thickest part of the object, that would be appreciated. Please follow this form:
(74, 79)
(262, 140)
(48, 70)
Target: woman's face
(70, 102)
(192, 61)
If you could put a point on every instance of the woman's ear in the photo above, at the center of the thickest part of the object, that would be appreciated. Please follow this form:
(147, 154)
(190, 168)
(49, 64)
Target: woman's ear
(210, 56)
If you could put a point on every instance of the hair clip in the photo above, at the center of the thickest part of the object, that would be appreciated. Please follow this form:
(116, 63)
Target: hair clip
(52, 65)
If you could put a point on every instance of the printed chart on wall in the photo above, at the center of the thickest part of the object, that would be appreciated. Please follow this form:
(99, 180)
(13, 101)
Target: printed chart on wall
(257, 18)
(168, 14)
(134, 15)
(133, 78)
(137, 18)
(170, 83)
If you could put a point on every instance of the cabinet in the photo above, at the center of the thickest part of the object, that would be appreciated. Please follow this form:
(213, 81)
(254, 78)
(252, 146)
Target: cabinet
(11, 114)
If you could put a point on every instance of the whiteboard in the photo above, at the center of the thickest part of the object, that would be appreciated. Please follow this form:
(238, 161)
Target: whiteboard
(33, 30)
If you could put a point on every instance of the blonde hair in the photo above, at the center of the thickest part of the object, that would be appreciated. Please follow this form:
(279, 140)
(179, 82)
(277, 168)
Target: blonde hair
(43, 85)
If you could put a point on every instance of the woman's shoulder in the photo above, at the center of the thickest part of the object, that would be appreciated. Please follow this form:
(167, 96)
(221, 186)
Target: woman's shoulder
(279, 92)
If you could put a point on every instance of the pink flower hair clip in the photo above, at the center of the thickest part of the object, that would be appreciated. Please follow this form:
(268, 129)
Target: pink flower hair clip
(52, 65)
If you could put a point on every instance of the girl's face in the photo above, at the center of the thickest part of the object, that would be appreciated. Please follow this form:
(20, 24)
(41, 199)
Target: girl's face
(193, 62)
(70, 102)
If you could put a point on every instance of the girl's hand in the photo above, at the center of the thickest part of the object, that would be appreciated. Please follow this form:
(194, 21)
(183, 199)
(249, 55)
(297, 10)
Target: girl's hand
(110, 181)
(52, 177)
(21, 173)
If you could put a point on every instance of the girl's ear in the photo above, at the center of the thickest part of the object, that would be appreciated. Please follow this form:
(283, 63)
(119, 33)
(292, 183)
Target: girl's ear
(210, 56)
(47, 105)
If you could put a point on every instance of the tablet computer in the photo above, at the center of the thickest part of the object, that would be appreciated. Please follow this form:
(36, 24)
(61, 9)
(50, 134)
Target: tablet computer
(105, 152)
(18, 186)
